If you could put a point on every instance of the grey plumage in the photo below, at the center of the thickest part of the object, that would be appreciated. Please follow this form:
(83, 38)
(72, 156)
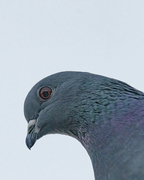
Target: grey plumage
(104, 114)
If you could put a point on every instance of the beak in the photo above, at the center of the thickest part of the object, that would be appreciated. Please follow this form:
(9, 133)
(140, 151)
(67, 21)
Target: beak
(32, 133)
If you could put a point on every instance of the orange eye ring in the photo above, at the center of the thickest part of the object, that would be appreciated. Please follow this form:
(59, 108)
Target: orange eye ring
(45, 92)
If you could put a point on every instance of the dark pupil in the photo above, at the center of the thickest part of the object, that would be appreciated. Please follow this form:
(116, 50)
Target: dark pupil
(45, 94)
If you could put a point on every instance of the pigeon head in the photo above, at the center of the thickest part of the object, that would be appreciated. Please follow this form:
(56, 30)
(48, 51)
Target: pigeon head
(53, 105)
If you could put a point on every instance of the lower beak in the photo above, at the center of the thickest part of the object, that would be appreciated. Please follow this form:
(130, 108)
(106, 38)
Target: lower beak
(31, 138)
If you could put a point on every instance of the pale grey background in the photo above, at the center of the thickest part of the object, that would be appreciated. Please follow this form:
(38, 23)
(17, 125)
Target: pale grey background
(39, 38)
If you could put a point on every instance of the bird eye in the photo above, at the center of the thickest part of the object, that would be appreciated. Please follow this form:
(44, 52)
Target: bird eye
(45, 92)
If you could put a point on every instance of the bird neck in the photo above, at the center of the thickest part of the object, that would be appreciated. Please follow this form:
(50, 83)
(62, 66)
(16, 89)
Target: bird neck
(114, 146)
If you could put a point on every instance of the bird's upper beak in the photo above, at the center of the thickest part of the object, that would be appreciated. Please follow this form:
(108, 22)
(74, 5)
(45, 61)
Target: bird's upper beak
(32, 133)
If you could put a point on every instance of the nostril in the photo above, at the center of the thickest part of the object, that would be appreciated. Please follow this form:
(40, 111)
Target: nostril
(31, 128)
(31, 125)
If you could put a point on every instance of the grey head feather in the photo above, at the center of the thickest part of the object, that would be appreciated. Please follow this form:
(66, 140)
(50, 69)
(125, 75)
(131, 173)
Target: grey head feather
(104, 114)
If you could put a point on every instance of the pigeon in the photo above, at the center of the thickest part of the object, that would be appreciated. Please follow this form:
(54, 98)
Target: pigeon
(105, 115)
